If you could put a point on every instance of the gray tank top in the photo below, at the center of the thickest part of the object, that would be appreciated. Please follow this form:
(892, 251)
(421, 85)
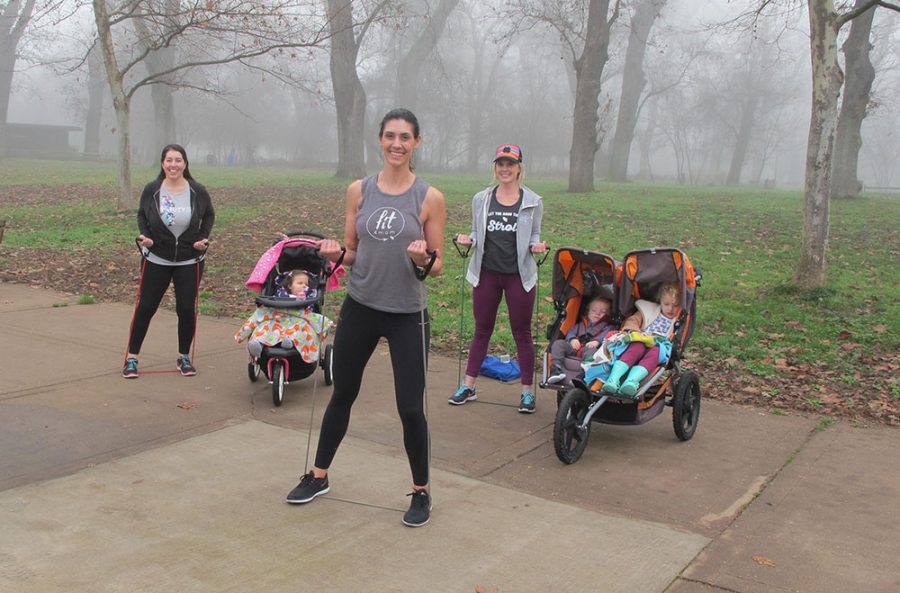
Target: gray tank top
(383, 277)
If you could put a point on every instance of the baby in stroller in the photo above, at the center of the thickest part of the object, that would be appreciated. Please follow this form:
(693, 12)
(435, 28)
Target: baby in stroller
(287, 327)
(583, 340)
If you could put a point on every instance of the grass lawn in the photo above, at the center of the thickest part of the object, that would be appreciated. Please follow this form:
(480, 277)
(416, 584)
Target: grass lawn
(756, 333)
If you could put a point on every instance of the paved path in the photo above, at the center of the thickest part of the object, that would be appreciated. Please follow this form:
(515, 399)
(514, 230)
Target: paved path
(167, 483)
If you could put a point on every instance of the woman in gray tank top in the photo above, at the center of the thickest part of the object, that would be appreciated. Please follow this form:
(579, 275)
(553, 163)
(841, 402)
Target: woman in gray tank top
(392, 221)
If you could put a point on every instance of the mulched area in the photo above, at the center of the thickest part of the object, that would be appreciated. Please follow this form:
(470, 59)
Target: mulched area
(110, 275)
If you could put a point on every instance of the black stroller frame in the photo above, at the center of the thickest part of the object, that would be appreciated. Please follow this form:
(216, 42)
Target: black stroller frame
(580, 275)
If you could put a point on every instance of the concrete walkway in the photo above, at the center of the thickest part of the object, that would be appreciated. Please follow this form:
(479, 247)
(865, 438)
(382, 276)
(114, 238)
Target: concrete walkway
(168, 484)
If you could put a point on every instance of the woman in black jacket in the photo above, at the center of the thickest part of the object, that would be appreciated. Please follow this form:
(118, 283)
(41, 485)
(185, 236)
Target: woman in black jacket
(175, 217)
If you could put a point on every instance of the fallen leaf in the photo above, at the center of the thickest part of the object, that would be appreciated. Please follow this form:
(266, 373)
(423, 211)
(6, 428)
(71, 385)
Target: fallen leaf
(185, 405)
(762, 560)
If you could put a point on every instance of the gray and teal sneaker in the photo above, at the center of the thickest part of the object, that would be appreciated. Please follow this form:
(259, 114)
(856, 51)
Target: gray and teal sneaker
(463, 394)
(129, 371)
(527, 404)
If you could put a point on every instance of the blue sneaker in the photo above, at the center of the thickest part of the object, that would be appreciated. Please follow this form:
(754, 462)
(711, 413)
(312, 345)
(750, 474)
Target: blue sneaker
(463, 394)
(527, 404)
(130, 371)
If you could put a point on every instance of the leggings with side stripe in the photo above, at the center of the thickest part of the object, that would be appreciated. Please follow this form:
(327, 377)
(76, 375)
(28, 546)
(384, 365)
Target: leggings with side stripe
(358, 330)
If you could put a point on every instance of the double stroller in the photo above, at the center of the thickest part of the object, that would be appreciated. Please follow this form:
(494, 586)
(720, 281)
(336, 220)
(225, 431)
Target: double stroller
(295, 251)
(580, 276)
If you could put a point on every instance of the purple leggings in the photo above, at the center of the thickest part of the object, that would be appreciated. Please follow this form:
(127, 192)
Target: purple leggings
(638, 353)
(485, 303)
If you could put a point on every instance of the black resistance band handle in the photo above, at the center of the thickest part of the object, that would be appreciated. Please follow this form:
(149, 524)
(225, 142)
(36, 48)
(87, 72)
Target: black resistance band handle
(422, 273)
(462, 254)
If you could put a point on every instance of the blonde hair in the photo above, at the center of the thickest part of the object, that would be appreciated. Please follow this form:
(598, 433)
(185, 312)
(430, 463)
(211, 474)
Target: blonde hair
(668, 288)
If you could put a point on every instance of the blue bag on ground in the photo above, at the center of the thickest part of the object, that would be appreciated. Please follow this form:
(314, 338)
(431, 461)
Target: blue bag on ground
(496, 369)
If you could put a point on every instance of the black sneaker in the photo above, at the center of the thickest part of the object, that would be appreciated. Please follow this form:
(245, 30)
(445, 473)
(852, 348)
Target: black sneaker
(526, 404)
(309, 487)
(419, 509)
(129, 371)
(463, 394)
(184, 365)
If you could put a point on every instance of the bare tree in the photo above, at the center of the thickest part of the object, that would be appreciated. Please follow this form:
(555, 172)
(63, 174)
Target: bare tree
(96, 84)
(408, 71)
(586, 44)
(633, 82)
(824, 22)
(159, 62)
(349, 95)
(482, 81)
(14, 19)
(749, 89)
(207, 34)
(588, 74)
(857, 88)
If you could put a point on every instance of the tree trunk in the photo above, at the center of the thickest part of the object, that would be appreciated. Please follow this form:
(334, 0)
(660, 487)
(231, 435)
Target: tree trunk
(742, 141)
(826, 86)
(408, 72)
(7, 64)
(588, 73)
(95, 104)
(121, 103)
(349, 94)
(633, 82)
(162, 94)
(857, 87)
(14, 18)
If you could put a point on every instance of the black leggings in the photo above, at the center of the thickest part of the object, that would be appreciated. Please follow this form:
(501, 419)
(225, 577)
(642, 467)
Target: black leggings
(155, 281)
(358, 330)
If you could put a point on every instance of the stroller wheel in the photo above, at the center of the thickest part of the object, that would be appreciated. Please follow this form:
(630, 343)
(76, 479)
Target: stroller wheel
(277, 382)
(686, 406)
(569, 440)
(327, 360)
(253, 371)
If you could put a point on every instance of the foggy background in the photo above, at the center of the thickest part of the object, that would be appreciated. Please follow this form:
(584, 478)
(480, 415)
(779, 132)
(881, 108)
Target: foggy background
(491, 79)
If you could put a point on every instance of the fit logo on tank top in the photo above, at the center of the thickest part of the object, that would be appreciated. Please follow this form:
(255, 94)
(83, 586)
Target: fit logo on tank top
(385, 224)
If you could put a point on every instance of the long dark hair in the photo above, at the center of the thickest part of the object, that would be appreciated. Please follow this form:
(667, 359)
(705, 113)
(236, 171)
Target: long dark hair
(179, 149)
(400, 113)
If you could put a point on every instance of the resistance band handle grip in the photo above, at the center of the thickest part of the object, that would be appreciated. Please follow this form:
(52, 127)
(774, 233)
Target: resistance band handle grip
(462, 254)
(422, 273)
(539, 260)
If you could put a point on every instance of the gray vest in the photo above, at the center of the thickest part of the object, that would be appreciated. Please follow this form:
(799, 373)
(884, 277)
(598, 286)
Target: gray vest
(383, 277)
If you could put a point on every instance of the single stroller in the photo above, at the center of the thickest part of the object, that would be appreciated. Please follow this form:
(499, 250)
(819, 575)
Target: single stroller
(295, 251)
(579, 276)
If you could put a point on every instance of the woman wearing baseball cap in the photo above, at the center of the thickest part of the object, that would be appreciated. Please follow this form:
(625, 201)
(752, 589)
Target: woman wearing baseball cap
(506, 228)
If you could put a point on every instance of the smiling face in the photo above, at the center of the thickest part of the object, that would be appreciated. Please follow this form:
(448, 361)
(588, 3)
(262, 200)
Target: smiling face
(173, 165)
(507, 170)
(398, 141)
